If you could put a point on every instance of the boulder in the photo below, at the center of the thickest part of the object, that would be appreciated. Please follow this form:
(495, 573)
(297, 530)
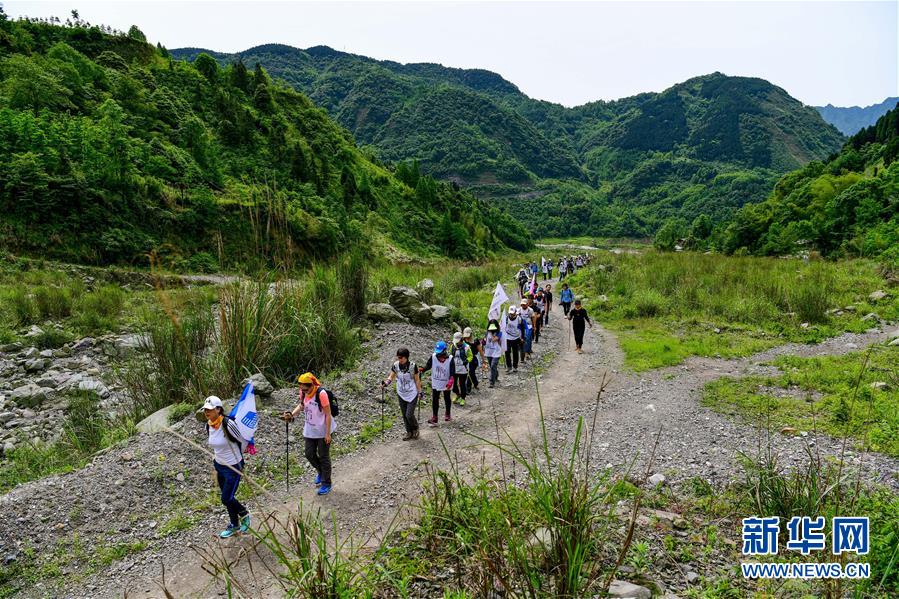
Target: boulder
(34, 331)
(440, 313)
(36, 364)
(155, 422)
(656, 479)
(621, 588)
(261, 385)
(31, 352)
(384, 313)
(83, 344)
(425, 289)
(6, 417)
(94, 386)
(28, 395)
(128, 344)
(876, 296)
(408, 303)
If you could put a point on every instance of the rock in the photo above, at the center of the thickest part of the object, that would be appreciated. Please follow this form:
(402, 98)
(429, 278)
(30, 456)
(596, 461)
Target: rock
(384, 313)
(621, 588)
(804, 325)
(895, 342)
(156, 422)
(440, 313)
(10, 348)
(6, 417)
(95, 386)
(83, 344)
(261, 385)
(851, 346)
(8, 447)
(34, 331)
(28, 395)
(692, 577)
(47, 353)
(31, 352)
(180, 477)
(542, 538)
(879, 386)
(876, 296)
(425, 288)
(603, 298)
(656, 479)
(36, 364)
(408, 303)
(128, 344)
(870, 316)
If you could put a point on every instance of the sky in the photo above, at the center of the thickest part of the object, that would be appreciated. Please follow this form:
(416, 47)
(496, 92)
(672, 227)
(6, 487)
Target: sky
(843, 53)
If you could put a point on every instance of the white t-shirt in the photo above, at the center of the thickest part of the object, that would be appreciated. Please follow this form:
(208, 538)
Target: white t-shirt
(493, 346)
(227, 452)
(405, 381)
(512, 331)
(528, 315)
(314, 418)
(440, 373)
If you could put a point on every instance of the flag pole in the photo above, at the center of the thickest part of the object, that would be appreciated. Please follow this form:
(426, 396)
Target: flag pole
(382, 413)
(287, 453)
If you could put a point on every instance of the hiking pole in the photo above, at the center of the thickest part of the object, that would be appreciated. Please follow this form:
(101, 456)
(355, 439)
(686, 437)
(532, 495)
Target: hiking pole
(287, 452)
(569, 334)
(383, 399)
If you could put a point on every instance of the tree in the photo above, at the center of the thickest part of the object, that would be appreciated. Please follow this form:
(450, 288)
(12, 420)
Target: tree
(240, 77)
(669, 233)
(136, 34)
(207, 66)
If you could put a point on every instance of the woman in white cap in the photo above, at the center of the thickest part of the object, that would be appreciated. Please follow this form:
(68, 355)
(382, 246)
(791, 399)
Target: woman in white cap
(226, 444)
(477, 352)
(513, 336)
(493, 350)
(461, 354)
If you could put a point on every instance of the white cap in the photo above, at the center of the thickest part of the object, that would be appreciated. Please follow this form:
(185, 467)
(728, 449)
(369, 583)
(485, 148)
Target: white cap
(513, 310)
(467, 332)
(212, 402)
(457, 337)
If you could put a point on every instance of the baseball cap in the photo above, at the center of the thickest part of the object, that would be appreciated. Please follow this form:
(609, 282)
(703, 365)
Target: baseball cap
(466, 332)
(457, 337)
(440, 347)
(212, 402)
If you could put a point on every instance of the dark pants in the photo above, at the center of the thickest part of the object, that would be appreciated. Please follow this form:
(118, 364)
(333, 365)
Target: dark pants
(473, 374)
(494, 369)
(407, 408)
(460, 385)
(521, 285)
(578, 334)
(566, 306)
(318, 453)
(228, 481)
(513, 347)
(538, 327)
(435, 401)
(546, 316)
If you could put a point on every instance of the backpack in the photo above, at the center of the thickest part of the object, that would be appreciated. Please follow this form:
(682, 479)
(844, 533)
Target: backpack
(332, 401)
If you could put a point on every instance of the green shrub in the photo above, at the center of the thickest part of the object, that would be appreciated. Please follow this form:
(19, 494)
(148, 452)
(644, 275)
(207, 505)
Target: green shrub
(22, 306)
(352, 277)
(98, 311)
(51, 338)
(53, 302)
(648, 303)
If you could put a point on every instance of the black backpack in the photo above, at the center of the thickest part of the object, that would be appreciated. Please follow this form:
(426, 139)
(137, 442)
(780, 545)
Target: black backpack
(228, 434)
(332, 401)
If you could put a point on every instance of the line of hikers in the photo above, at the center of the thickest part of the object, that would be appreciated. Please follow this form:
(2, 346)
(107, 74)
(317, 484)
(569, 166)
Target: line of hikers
(567, 265)
(454, 376)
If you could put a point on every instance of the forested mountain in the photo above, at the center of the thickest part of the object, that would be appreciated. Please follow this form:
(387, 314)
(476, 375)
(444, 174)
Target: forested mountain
(111, 150)
(705, 146)
(848, 205)
(852, 119)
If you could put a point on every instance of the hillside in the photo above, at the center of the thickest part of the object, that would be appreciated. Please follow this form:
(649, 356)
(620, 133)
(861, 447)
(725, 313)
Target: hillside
(705, 146)
(112, 152)
(848, 205)
(850, 120)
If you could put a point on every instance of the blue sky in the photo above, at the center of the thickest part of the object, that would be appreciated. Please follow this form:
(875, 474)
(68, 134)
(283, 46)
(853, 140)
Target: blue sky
(843, 53)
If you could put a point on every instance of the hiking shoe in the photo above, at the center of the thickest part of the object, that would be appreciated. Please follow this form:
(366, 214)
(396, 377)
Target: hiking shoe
(408, 436)
(318, 480)
(432, 420)
(229, 532)
(415, 434)
(326, 488)
(447, 418)
(490, 385)
(515, 371)
(245, 523)
(461, 401)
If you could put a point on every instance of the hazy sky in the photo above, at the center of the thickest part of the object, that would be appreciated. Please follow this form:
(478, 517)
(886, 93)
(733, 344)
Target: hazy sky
(844, 53)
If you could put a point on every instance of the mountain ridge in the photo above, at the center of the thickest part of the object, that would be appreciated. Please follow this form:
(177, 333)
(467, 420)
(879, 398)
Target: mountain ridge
(852, 119)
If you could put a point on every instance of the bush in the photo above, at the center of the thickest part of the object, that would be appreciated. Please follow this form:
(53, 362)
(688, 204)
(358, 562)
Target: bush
(98, 311)
(51, 338)
(648, 302)
(22, 307)
(53, 302)
(352, 276)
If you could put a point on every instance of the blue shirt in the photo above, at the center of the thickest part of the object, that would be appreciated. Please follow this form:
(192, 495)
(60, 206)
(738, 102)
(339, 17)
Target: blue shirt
(567, 296)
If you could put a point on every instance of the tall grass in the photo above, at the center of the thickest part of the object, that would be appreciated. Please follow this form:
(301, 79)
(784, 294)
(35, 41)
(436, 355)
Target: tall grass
(249, 329)
(352, 277)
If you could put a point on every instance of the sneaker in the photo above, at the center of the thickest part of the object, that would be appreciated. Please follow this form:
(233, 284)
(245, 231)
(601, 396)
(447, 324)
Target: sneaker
(432, 421)
(415, 434)
(326, 488)
(447, 418)
(461, 401)
(229, 532)
(515, 370)
(245, 523)
(318, 480)
(456, 399)
(408, 436)
(490, 385)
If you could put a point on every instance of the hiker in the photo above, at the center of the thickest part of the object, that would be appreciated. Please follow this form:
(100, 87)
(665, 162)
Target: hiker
(563, 268)
(538, 306)
(545, 269)
(493, 350)
(549, 268)
(534, 270)
(566, 298)
(522, 279)
(478, 359)
(548, 298)
(225, 441)
(513, 335)
(408, 390)
(442, 379)
(462, 357)
(526, 314)
(578, 316)
(315, 403)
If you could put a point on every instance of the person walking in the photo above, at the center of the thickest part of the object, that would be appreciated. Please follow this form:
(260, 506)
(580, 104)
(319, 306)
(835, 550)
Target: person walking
(522, 279)
(548, 298)
(408, 390)
(549, 268)
(563, 268)
(462, 357)
(442, 379)
(545, 268)
(318, 425)
(227, 447)
(478, 359)
(566, 298)
(528, 319)
(493, 350)
(513, 334)
(578, 316)
(538, 306)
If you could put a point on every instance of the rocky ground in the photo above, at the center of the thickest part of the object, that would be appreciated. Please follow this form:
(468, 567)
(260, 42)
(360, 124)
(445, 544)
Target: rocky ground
(133, 492)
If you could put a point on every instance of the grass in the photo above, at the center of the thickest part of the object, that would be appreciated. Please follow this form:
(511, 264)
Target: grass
(817, 394)
(666, 307)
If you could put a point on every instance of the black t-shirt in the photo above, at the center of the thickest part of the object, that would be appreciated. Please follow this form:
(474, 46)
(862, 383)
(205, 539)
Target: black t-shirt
(578, 315)
(548, 295)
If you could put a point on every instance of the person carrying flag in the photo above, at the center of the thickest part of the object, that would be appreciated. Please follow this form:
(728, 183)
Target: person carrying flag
(227, 445)
(317, 427)
(493, 350)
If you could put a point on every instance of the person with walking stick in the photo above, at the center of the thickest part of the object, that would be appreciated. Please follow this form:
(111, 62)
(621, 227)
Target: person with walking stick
(577, 318)
(408, 390)
(318, 425)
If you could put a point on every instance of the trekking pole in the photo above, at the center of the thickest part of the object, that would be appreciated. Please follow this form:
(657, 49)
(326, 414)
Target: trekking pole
(569, 334)
(287, 453)
(383, 399)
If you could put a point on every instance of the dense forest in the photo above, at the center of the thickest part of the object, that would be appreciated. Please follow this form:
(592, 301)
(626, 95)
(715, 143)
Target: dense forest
(112, 151)
(848, 205)
(705, 146)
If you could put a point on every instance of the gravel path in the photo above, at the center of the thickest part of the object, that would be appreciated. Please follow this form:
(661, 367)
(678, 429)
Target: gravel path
(373, 483)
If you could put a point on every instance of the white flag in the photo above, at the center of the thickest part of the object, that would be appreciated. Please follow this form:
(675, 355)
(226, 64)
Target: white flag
(502, 332)
(499, 298)
(244, 416)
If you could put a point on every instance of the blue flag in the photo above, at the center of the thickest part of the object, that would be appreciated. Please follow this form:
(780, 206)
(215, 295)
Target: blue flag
(244, 415)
